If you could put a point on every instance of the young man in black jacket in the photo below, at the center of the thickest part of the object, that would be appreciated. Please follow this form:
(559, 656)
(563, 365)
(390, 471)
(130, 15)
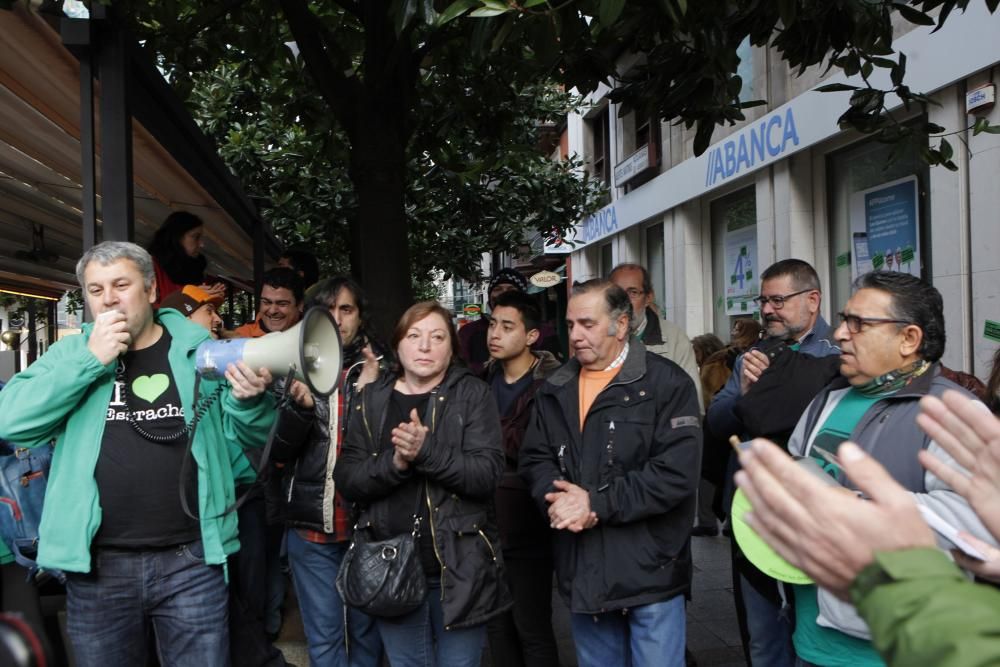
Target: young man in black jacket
(613, 452)
(309, 441)
(521, 637)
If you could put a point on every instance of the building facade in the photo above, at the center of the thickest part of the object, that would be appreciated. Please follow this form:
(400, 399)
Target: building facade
(788, 182)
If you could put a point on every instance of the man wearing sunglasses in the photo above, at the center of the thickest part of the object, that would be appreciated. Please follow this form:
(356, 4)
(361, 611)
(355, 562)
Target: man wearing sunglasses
(789, 303)
(891, 337)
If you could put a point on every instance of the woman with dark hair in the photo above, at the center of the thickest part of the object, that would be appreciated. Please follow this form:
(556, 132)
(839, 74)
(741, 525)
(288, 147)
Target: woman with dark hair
(705, 346)
(427, 445)
(177, 255)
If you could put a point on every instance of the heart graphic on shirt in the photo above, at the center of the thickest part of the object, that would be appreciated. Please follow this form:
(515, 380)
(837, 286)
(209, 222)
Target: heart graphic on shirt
(150, 387)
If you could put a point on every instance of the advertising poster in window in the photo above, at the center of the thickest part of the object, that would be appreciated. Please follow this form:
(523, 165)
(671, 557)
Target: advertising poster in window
(884, 229)
(741, 272)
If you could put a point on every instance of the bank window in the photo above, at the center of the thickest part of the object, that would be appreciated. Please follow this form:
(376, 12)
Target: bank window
(879, 215)
(745, 69)
(643, 133)
(735, 274)
(647, 137)
(602, 146)
(607, 260)
(655, 263)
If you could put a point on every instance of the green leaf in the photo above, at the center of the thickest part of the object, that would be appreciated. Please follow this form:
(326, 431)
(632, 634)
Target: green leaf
(487, 12)
(899, 71)
(405, 12)
(533, 3)
(946, 150)
(430, 16)
(609, 11)
(455, 10)
(835, 88)
(503, 32)
(913, 15)
(787, 11)
(992, 129)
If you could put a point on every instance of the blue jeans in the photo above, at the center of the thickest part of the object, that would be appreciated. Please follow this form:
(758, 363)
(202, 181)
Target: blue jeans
(419, 639)
(109, 610)
(652, 635)
(314, 573)
(769, 627)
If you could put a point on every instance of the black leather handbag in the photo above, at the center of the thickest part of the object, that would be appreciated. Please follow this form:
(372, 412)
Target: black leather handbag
(383, 578)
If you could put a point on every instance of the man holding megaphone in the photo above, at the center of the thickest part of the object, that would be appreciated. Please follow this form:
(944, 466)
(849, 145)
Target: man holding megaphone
(309, 438)
(119, 401)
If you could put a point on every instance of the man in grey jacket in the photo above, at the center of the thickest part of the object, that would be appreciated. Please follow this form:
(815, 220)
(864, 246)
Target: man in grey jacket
(659, 335)
(891, 338)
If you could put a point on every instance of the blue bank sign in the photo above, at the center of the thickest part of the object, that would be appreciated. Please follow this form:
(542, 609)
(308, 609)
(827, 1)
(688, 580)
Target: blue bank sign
(600, 224)
(966, 44)
(769, 138)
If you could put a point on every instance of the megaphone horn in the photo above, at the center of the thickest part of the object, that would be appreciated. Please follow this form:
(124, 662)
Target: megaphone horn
(312, 348)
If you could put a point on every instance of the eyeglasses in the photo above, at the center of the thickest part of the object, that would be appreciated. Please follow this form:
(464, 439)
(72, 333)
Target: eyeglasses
(778, 301)
(855, 322)
(634, 292)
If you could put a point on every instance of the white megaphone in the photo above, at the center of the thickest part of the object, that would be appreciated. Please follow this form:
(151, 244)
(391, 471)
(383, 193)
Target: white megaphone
(311, 348)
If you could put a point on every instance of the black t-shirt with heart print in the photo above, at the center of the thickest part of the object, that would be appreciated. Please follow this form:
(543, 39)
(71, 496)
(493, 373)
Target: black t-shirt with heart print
(138, 479)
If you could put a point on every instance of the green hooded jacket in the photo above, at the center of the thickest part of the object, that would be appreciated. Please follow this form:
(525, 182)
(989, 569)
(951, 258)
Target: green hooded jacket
(65, 395)
(922, 610)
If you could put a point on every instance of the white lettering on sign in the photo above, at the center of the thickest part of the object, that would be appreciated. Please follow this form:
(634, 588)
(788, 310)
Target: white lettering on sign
(600, 224)
(774, 134)
(632, 166)
(545, 279)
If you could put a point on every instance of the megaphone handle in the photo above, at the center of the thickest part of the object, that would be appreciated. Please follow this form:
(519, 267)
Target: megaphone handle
(285, 397)
(283, 400)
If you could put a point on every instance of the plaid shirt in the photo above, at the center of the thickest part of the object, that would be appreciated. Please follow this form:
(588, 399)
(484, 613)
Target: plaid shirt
(341, 509)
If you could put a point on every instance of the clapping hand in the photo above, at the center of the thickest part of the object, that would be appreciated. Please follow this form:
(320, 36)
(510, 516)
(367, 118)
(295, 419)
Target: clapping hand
(301, 395)
(971, 435)
(828, 532)
(407, 439)
(755, 363)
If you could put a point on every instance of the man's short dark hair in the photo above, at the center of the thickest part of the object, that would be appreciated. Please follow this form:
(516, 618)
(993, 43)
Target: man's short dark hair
(305, 262)
(523, 303)
(802, 273)
(615, 298)
(915, 301)
(647, 282)
(281, 276)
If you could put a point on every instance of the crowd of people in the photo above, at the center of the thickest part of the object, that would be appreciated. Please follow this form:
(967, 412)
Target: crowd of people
(514, 468)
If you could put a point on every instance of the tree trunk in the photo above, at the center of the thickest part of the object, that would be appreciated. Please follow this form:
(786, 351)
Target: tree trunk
(379, 246)
(379, 243)
(374, 111)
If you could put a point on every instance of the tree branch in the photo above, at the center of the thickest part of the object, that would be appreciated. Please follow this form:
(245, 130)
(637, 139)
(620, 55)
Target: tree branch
(337, 89)
(349, 7)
